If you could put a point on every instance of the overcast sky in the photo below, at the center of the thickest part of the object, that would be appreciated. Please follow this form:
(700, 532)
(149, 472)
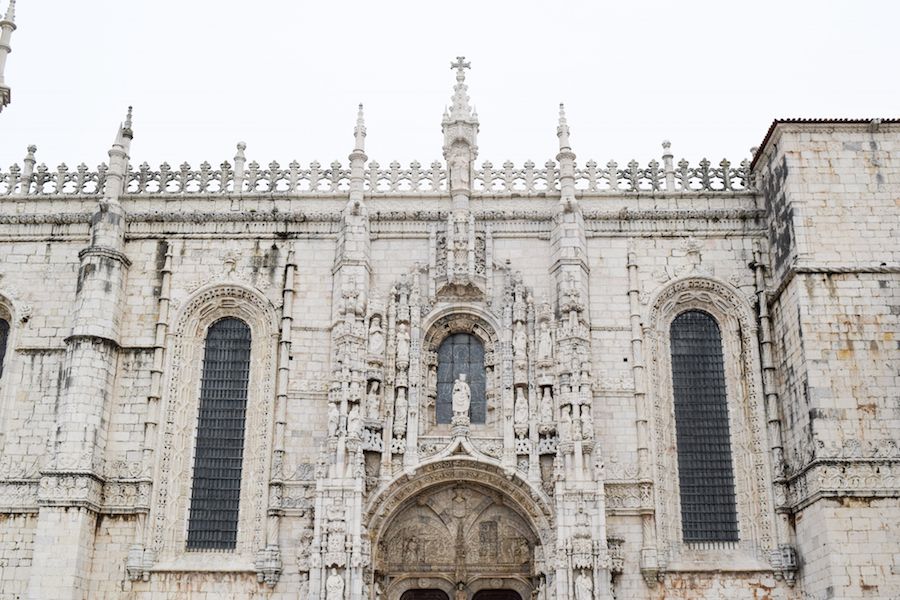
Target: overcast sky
(285, 76)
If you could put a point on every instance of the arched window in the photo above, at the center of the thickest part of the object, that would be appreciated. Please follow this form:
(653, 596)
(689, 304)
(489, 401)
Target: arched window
(4, 338)
(460, 353)
(705, 472)
(218, 455)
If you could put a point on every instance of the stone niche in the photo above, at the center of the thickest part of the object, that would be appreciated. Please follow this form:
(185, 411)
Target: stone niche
(452, 534)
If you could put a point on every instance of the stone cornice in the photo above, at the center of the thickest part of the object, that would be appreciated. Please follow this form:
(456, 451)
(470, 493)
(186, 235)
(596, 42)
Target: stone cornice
(838, 478)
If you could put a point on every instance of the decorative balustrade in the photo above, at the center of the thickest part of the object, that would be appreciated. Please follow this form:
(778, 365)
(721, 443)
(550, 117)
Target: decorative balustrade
(251, 178)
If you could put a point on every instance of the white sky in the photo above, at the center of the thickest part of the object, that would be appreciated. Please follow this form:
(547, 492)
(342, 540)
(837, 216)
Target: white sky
(285, 76)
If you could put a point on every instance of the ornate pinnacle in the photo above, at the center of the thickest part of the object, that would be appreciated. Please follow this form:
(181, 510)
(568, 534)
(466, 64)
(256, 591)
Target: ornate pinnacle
(127, 126)
(562, 130)
(460, 109)
(11, 12)
(359, 132)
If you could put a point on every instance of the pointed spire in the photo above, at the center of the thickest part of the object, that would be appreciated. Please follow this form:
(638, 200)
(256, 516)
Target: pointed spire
(562, 130)
(11, 12)
(125, 133)
(460, 109)
(359, 132)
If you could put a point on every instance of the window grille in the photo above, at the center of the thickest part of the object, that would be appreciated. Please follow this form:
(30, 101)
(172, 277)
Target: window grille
(705, 471)
(4, 337)
(461, 353)
(218, 457)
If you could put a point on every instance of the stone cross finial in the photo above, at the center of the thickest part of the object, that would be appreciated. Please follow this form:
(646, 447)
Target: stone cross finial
(460, 65)
(11, 12)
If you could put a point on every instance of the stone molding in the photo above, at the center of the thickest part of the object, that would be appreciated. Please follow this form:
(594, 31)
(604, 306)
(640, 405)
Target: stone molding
(753, 487)
(179, 409)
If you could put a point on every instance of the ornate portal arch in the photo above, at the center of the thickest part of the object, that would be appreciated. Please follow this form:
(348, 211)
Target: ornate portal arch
(740, 349)
(459, 523)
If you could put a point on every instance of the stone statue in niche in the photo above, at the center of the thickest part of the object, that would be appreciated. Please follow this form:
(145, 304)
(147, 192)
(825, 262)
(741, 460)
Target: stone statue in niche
(587, 423)
(334, 586)
(459, 169)
(584, 586)
(354, 425)
(520, 410)
(520, 342)
(545, 342)
(546, 406)
(462, 397)
(373, 401)
(401, 407)
(376, 336)
(333, 418)
(354, 391)
(565, 425)
(402, 345)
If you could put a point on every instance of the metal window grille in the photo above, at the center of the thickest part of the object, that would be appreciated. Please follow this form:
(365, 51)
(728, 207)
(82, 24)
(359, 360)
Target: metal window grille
(705, 471)
(4, 337)
(218, 457)
(461, 353)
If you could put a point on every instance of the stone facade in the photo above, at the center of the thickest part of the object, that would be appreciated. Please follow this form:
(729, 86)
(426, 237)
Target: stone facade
(349, 279)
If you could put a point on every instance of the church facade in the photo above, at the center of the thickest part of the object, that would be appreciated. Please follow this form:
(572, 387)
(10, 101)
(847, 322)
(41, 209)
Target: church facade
(567, 381)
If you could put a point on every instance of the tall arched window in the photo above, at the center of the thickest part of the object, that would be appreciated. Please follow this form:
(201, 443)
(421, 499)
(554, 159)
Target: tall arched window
(705, 471)
(461, 353)
(218, 455)
(4, 338)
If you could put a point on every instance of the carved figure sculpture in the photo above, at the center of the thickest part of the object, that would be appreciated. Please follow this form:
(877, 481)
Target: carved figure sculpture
(462, 396)
(520, 342)
(587, 423)
(520, 410)
(546, 407)
(401, 407)
(376, 336)
(459, 169)
(353, 422)
(402, 345)
(545, 342)
(565, 425)
(373, 401)
(584, 587)
(333, 418)
(334, 586)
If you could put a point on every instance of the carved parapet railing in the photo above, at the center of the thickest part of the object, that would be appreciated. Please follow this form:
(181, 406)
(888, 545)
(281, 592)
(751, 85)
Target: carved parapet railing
(334, 179)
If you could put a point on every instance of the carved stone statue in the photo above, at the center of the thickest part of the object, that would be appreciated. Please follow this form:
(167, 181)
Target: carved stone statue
(520, 342)
(462, 396)
(354, 425)
(584, 587)
(354, 391)
(401, 408)
(459, 169)
(334, 586)
(520, 410)
(545, 342)
(587, 423)
(546, 407)
(402, 344)
(565, 425)
(373, 401)
(376, 336)
(333, 418)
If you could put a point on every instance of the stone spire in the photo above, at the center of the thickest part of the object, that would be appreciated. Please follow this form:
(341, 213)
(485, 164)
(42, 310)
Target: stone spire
(566, 160)
(7, 26)
(358, 165)
(460, 125)
(118, 161)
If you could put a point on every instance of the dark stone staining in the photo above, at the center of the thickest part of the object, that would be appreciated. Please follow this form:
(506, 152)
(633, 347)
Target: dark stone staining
(780, 213)
(84, 272)
(264, 261)
(162, 247)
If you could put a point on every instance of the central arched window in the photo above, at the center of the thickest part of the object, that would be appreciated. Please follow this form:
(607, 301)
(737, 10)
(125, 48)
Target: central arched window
(461, 353)
(705, 471)
(218, 455)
